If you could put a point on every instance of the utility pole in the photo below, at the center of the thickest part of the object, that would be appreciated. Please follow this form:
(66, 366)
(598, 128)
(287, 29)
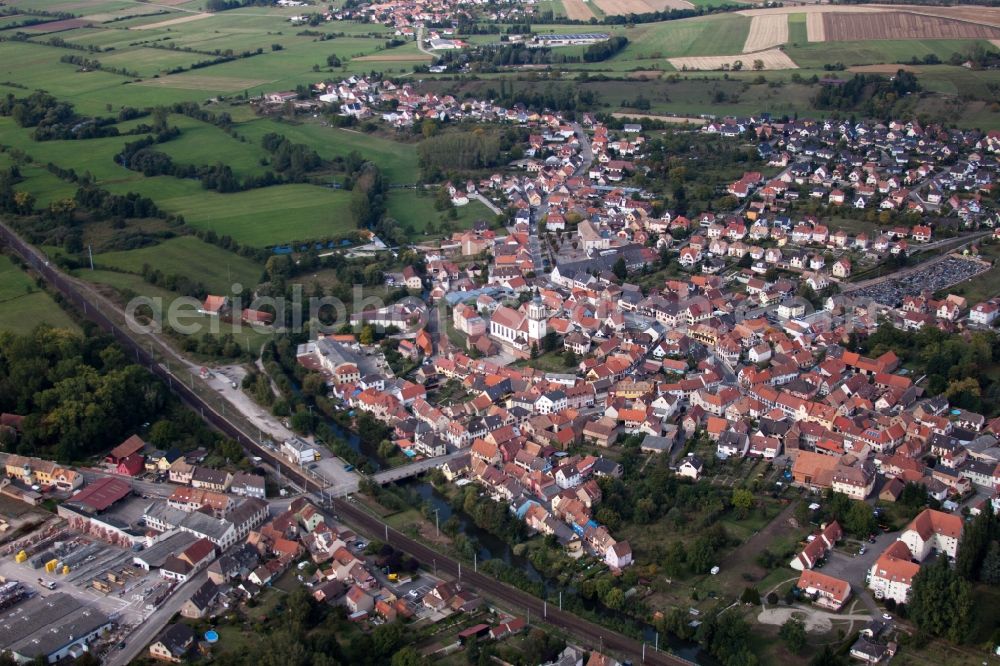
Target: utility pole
(560, 599)
(90, 251)
(437, 527)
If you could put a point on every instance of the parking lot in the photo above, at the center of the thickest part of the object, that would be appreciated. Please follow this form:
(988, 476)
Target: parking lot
(944, 273)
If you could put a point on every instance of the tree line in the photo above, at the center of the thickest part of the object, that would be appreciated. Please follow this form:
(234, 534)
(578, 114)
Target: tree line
(80, 395)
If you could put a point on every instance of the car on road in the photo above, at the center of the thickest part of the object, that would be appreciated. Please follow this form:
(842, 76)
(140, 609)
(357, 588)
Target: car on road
(312, 466)
(360, 545)
(348, 467)
(886, 616)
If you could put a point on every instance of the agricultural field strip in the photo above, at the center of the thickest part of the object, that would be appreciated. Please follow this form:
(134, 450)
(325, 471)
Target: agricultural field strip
(771, 60)
(766, 32)
(901, 25)
(815, 28)
(173, 21)
(616, 7)
(577, 10)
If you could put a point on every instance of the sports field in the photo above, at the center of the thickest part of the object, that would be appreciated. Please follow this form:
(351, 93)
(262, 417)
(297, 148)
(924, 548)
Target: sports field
(23, 305)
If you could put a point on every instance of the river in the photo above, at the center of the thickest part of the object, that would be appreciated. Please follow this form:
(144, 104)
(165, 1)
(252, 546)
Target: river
(489, 547)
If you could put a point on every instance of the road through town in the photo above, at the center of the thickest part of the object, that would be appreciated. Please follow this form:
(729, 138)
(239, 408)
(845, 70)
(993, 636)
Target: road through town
(589, 633)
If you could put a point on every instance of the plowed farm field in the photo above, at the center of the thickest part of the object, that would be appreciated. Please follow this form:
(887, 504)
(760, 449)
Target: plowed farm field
(840, 27)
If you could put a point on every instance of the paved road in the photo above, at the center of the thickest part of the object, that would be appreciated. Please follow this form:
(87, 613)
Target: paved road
(413, 469)
(486, 202)
(148, 629)
(534, 243)
(158, 490)
(586, 631)
(847, 287)
(420, 41)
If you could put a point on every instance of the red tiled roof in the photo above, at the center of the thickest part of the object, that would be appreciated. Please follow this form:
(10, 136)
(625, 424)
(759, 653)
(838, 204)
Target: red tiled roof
(101, 494)
(133, 444)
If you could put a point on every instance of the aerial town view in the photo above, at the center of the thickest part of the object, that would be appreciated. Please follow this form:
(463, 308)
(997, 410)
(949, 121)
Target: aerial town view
(507, 332)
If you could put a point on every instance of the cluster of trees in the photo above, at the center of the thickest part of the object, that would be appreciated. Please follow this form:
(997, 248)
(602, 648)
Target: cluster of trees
(105, 205)
(491, 516)
(39, 110)
(302, 632)
(978, 557)
(872, 94)
(725, 636)
(94, 64)
(218, 60)
(941, 601)
(80, 394)
(566, 98)
(690, 190)
(292, 160)
(856, 517)
(462, 151)
(603, 50)
(223, 5)
(368, 194)
(957, 365)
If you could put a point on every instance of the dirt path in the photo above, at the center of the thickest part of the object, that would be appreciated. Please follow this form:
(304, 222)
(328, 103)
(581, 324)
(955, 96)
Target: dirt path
(744, 558)
(816, 621)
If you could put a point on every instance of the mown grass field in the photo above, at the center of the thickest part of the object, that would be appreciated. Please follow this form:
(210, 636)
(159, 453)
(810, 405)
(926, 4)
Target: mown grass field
(216, 268)
(720, 34)
(797, 33)
(23, 306)
(396, 160)
(414, 211)
(817, 54)
(268, 216)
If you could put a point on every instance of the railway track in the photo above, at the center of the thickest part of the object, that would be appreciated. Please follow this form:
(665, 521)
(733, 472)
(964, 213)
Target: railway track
(590, 634)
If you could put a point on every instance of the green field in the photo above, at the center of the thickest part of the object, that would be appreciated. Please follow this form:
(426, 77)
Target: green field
(817, 54)
(396, 160)
(268, 216)
(216, 268)
(720, 34)
(797, 33)
(23, 305)
(414, 211)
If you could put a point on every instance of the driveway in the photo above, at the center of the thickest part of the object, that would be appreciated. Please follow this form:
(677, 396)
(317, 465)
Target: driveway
(817, 621)
(853, 568)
